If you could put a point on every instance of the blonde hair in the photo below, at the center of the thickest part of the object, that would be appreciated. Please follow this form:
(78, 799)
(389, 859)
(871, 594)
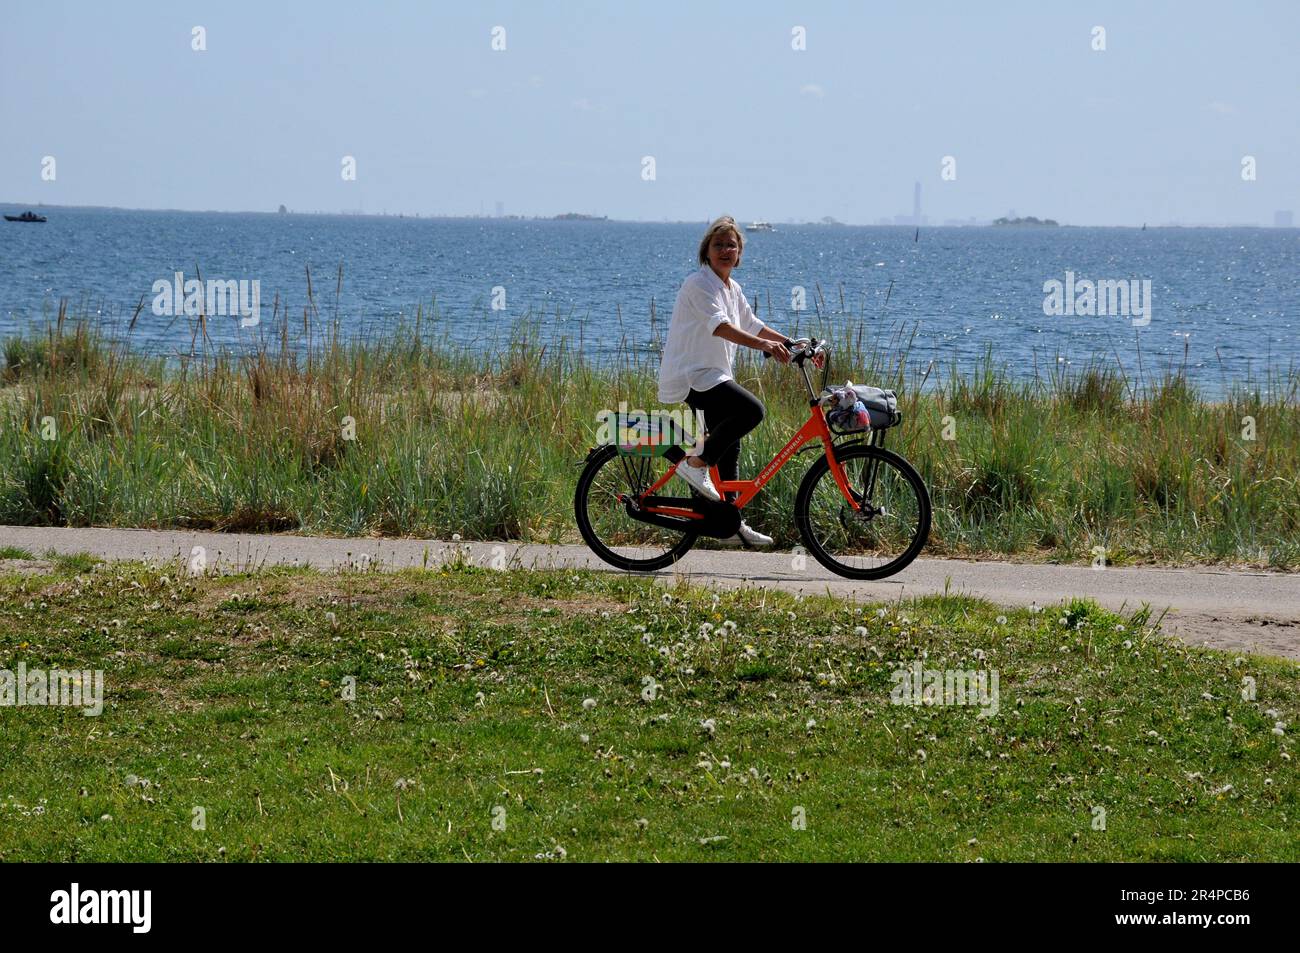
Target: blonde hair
(724, 223)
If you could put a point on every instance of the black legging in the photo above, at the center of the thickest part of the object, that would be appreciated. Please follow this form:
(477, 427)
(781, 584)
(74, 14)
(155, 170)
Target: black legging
(730, 412)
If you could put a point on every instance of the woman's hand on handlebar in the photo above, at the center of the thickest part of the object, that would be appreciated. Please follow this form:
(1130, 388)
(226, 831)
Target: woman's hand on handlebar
(777, 350)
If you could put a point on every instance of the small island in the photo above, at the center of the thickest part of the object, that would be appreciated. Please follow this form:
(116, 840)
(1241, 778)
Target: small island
(579, 217)
(1027, 220)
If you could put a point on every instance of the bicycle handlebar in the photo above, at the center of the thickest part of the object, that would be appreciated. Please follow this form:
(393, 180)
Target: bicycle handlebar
(806, 348)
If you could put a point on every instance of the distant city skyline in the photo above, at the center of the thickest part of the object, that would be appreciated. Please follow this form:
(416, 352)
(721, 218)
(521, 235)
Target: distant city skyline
(1282, 218)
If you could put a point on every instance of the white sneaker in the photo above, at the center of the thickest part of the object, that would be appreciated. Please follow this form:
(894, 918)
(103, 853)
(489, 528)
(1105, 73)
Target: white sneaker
(698, 477)
(748, 536)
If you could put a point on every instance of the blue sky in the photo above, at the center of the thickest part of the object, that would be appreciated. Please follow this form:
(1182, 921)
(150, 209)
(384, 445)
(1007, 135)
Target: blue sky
(1152, 129)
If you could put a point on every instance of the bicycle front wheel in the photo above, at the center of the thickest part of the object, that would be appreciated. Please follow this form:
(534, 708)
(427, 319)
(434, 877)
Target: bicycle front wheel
(885, 532)
(603, 520)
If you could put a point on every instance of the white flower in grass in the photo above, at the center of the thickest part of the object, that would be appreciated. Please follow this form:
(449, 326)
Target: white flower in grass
(1001, 620)
(812, 723)
(709, 725)
(1207, 696)
(584, 738)
(881, 612)
(860, 631)
(706, 628)
(455, 537)
(589, 703)
(1119, 628)
(1063, 621)
(729, 625)
(1279, 729)
(1035, 608)
(642, 823)
(1128, 644)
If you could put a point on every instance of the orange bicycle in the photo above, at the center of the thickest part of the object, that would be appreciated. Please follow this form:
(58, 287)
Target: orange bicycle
(862, 511)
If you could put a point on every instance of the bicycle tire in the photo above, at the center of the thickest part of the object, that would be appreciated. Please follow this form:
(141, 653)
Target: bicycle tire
(804, 502)
(595, 462)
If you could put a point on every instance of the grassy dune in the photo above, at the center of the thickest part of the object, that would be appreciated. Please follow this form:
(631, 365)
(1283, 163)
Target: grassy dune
(402, 435)
(464, 713)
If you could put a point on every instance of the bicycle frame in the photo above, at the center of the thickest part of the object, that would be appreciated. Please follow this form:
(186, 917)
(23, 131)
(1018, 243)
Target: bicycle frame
(815, 428)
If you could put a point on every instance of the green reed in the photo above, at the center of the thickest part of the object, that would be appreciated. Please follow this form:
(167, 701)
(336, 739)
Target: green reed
(400, 433)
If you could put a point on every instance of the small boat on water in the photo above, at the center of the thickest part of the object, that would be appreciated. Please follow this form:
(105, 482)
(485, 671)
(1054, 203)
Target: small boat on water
(25, 217)
(759, 227)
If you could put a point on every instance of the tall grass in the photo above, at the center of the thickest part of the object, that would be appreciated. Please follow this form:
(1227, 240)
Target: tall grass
(402, 434)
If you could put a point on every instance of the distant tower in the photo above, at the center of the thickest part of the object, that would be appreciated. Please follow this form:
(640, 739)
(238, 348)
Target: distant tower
(916, 204)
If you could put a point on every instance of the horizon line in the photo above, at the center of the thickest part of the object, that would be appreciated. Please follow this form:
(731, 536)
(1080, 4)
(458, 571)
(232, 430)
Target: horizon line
(583, 216)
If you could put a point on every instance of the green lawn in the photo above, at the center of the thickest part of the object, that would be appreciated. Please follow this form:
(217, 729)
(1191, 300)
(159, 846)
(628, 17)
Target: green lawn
(521, 697)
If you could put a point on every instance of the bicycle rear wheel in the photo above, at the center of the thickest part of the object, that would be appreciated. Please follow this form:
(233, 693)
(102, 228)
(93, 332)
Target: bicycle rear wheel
(603, 520)
(884, 534)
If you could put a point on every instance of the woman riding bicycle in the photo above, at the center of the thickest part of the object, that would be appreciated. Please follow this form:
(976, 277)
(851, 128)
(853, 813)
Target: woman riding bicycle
(710, 318)
(862, 511)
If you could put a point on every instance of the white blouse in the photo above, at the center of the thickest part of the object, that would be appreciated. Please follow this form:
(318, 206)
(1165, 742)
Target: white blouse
(693, 356)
